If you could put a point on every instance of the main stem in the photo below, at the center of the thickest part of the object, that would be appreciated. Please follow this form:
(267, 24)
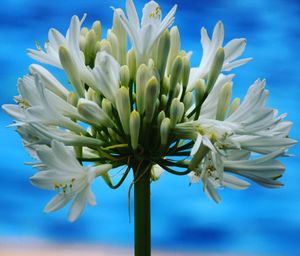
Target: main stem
(142, 218)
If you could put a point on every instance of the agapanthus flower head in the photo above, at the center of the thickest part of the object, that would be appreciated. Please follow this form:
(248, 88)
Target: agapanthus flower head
(143, 106)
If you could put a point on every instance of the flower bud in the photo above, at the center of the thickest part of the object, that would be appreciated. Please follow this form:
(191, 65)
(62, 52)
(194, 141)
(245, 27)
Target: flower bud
(234, 105)
(174, 47)
(123, 107)
(185, 71)
(71, 69)
(82, 43)
(93, 113)
(160, 117)
(188, 100)
(142, 77)
(135, 122)
(97, 29)
(176, 72)
(72, 99)
(131, 63)
(111, 37)
(107, 107)
(176, 112)
(215, 69)
(105, 46)
(90, 47)
(124, 76)
(199, 90)
(121, 34)
(165, 86)
(163, 52)
(84, 31)
(165, 131)
(156, 172)
(151, 95)
(224, 101)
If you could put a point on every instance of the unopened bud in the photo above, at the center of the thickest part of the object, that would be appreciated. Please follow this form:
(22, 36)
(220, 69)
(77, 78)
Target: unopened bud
(72, 99)
(123, 107)
(97, 29)
(176, 112)
(163, 52)
(93, 113)
(71, 69)
(185, 71)
(199, 90)
(176, 72)
(90, 46)
(234, 105)
(224, 101)
(111, 37)
(188, 100)
(107, 106)
(131, 63)
(174, 47)
(215, 69)
(105, 46)
(142, 77)
(160, 117)
(135, 122)
(156, 172)
(165, 131)
(124, 76)
(151, 95)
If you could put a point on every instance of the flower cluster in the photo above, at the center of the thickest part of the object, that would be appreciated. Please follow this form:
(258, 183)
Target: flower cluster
(145, 104)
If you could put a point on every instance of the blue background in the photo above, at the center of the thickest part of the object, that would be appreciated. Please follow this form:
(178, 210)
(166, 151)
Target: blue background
(257, 220)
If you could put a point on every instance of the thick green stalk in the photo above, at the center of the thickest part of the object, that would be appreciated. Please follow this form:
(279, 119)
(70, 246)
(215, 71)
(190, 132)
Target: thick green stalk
(142, 218)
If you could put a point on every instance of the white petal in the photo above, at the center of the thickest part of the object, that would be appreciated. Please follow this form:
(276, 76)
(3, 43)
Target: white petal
(78, 206)
(56, 203)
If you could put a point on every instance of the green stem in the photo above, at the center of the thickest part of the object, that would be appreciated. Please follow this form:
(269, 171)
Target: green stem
(142, 218)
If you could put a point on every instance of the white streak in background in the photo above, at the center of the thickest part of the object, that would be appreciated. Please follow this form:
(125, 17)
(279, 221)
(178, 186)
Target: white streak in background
(143, 36)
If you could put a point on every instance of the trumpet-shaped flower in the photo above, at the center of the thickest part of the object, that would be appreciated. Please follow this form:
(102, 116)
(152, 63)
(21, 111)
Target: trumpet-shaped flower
(67, 177)
(143, 36)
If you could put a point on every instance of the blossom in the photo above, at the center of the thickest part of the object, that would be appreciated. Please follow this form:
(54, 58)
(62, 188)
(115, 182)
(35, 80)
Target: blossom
(233, 49)
(67, 177)
(146, 109)
(143, 36)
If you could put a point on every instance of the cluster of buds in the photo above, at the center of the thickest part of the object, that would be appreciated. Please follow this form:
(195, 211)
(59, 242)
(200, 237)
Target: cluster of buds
(144, 104)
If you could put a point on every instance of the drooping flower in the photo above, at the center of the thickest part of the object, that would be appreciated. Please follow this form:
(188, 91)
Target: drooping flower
(64, 174)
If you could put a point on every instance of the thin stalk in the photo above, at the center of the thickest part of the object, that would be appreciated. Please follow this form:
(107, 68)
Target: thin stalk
(142, 218)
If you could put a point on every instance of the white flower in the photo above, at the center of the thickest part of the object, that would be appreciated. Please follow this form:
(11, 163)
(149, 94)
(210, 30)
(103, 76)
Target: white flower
(106, 75)
(156, 172)
(143, 36)
(65, 175)
(233, 49)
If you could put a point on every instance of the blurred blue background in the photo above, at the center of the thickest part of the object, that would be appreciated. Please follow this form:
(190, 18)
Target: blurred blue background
(257, 220)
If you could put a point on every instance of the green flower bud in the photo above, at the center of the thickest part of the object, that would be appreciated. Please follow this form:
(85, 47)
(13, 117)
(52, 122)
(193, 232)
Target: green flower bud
(90, 47)
(105, 46)
(71, 69)
(163, 52)
(82, 43)
(234, 105)
(84, 31)
(111, 37)
(142, 77)
(131, 63)
(97, 29)
(185, 71)
(124, 76)
(93, 113)
(165, 86)
(174, 47)
(160, 117)
(176, 72)
(151, 95)
(188, 100)
(135, 122)
(215, 69)
(165, 131)
(123, 107)
(199, 90)
(121, 34)
(176, 112)
(72, 99)
(224, 101)
(107, 106)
